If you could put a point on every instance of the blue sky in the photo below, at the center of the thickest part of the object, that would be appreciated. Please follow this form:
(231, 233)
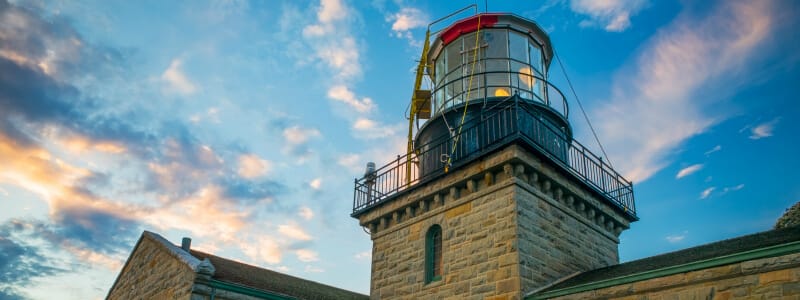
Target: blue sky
(242, 124)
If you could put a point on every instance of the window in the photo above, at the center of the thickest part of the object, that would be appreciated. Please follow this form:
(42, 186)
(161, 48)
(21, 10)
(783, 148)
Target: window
(433, 254)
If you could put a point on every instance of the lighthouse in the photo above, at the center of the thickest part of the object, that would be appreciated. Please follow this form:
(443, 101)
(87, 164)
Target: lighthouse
(494, 197)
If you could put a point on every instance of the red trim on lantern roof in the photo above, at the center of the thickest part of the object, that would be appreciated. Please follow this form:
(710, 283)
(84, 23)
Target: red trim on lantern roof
(468, 25)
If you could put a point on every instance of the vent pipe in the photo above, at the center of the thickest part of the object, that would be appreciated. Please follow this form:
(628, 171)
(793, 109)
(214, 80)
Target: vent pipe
(186, 244)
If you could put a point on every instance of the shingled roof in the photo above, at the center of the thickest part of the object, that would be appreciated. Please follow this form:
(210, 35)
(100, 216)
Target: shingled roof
(231, 271)
(677, 258)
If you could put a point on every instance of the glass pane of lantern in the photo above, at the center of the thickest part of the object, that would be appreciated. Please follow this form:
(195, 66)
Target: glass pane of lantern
(536, 58)
(521, 79)
(453, 55)
(439, 70)
(518, 46)
(497, 43)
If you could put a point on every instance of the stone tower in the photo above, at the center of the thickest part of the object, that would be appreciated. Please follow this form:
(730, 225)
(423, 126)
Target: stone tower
(496, 199)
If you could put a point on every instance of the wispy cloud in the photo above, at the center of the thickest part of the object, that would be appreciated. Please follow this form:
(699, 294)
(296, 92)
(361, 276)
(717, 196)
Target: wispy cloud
(687, 57)
(363, 255)
(306, 213)
(311, 269)
(176, 80)
(733, 188)
(712, 150)
(297, 139)
(306, 255)
(294, 231)
(611, 15)
(688, 171)
(342, 94)
(707, 192)
(675, 238)
(763, 130)
(369, 129)
(251, 166)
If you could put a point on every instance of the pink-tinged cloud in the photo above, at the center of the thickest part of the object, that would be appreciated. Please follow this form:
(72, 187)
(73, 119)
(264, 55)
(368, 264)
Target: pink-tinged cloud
(687, 58)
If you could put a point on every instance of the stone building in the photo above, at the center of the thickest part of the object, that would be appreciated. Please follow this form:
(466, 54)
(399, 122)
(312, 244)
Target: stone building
(494, 200)
(157, 269)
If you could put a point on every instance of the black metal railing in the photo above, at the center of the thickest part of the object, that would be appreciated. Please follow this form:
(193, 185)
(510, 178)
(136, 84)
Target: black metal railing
(512, 122)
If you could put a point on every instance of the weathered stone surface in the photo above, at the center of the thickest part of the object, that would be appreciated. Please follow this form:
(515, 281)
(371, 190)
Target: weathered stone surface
(509, 225)
(766, 278)
(153, 273)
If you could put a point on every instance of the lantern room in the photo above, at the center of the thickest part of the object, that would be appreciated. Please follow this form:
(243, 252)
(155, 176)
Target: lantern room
(479, 67)
(488, 56)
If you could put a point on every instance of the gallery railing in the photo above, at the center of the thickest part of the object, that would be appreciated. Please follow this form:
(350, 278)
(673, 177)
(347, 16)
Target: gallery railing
(513, 122)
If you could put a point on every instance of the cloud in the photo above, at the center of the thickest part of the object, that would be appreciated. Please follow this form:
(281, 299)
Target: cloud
(351, 161)
(612, 15)
(366, 255)
(306, 255)
(20, 262)
(707, 192)
(251, 166)
(331, 40)
(405, 20)
(342, 94)
(297, 139)
(310, 269)
(715, 149)
(673, 73)
(306, 213)
(763, 130)
(732, 188)
(176, 79)
(675, 238)
(688, 171)
(296, 135)
(315, 183)
(369, 129)
(264, 249)
(294, 231)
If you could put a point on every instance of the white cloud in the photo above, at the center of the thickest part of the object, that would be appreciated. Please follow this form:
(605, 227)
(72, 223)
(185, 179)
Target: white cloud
(733, 188)
(351, 161)
(294, 231)
(264, 249)
(406, 19)
(315, 183)
(331, 40)
(763, 130)
(342, 94)
(176, 79)
(369, 129)
(331, 10)
(715, 149)
(612, 15)
(676, 238)
(306, 255)
(306, 213)
(687, 58)
(366, 255)
(310, 269)
(297, 135)
(707, 192)
(688, 171)
(252, 166)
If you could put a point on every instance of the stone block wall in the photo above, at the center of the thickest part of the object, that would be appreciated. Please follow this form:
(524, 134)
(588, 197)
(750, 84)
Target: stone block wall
(767, 278)
(153, 273)
(562, 228)
(506, 229)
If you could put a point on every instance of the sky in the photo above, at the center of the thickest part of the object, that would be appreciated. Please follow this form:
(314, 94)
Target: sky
(242, 124)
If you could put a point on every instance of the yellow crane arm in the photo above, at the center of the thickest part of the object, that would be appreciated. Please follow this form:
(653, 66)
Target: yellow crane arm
(420, 103)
